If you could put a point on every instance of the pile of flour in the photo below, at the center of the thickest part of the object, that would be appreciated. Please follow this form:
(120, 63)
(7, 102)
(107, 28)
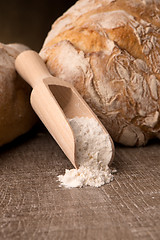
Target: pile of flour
(93, 153)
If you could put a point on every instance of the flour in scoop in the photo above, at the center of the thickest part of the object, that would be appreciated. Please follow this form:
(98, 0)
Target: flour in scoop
(93, 153)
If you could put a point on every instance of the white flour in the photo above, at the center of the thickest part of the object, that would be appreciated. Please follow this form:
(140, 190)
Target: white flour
(93, 153)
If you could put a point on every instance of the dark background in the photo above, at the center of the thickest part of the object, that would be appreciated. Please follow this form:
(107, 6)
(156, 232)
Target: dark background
(28, 22)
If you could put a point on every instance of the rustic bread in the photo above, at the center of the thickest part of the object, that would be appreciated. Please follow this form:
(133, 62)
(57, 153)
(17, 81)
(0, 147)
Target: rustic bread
(110, 51)
(16, 114)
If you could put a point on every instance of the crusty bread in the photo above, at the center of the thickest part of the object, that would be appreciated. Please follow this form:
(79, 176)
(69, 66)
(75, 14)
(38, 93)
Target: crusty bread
(110, 51)
(16, 114)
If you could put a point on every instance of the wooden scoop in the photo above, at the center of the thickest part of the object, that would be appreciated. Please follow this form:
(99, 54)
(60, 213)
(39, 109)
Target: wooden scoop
(54, 101)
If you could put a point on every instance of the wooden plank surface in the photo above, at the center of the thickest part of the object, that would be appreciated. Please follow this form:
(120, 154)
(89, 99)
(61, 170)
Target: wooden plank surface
(33, 206)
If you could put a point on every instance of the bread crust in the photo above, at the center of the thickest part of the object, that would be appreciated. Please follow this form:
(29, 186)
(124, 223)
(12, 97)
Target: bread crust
(16, 114)
(110, 51)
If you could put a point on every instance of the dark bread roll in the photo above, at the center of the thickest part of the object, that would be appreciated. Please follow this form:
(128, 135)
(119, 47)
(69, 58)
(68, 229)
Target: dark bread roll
(16, 114)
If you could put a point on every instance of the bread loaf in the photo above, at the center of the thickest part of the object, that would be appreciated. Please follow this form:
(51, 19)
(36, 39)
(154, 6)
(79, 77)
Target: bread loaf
(110, 51)
(16, 114)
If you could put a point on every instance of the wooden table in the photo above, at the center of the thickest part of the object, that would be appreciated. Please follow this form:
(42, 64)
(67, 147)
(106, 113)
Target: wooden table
(33, 206)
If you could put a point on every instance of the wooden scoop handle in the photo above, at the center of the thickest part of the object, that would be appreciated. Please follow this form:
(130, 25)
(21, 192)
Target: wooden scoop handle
(31, 67)
(33, 70)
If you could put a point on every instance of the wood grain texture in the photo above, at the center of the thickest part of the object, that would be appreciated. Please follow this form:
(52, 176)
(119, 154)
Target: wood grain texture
(33, 206)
